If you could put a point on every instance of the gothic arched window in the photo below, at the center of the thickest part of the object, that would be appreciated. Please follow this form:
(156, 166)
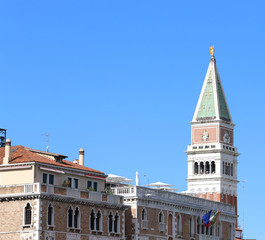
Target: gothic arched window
(77, 218)
(27, 214)
(116, 223)
(198, 225)
(92, 220)
(110, 222)
(70, 217)
(179, 225)
(98, 221)
(50, 215)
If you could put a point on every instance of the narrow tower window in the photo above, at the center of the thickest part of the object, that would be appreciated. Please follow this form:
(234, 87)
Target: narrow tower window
(196, 168)
(212, 167)
(207, 168)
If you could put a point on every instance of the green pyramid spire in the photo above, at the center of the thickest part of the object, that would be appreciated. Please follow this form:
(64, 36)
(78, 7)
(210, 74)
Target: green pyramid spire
(212, 103)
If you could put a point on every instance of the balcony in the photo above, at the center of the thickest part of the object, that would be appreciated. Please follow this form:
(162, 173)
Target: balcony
(144, 224)
(17, 190)
(161, 227)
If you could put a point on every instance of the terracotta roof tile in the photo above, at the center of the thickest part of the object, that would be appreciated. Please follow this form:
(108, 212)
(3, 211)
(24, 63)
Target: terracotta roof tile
(21, 154)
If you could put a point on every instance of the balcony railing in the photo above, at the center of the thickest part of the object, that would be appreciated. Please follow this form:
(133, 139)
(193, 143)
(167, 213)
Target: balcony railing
(37, 188)
(161, 227)
(144, 224)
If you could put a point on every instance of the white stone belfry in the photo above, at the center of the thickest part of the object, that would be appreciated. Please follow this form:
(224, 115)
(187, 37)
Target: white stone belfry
(212, 157)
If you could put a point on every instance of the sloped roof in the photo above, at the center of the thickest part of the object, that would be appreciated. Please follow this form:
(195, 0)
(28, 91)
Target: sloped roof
(21, 154)
(212, 103)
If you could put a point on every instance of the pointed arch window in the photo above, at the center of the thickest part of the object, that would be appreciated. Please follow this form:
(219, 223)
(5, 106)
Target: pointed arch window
(50, 215)
(179, 225)
(110, 222)
(219, 230)
(170, 225)
(116, 223)
(70, 217)
(202, 227)
(230, 232)
(27, 214)
(77, 218)
(191, 227)
(92, 220)
(198, 225)
(98, 221)
(144, 219)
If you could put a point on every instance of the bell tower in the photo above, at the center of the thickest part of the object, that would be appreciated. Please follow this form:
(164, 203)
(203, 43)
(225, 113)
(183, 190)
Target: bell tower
(212, 156)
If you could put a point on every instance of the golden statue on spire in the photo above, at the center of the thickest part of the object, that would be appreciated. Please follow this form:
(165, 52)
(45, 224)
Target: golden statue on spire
(212, 50)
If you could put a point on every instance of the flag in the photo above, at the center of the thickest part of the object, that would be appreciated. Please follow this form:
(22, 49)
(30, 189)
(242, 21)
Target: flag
(206, 218)
(214, 217)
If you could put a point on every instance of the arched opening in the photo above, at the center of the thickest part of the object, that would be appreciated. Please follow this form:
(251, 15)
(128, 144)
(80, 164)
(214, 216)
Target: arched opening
(207, 167)
(70, 217)
(170, 225)
(98, 221)
(50, 215)
(116, 223)
(196, 168)
(213, 167)
(198, 225)
(28, 214)
(144, 215)
(202, 227)
(110, 222)
(232, 170)
(179, 225)
(77, 218)
(191, 227)
(92, 220)
(219, 230)
(201, 168)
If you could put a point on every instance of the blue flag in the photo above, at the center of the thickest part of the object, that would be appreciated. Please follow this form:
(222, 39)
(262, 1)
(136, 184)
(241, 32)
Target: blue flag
(206, 218)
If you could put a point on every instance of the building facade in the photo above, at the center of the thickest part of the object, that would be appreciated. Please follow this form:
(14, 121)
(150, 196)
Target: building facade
(45, 197)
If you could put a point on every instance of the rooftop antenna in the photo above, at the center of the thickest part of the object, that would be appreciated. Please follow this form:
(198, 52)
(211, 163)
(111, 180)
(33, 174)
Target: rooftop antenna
(47, 135)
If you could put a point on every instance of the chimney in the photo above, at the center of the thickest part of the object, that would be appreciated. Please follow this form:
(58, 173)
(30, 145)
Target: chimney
(81, 156)
(7, 151)
(137, 179)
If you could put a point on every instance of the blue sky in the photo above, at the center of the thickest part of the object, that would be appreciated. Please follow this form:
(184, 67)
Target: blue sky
(122, 78)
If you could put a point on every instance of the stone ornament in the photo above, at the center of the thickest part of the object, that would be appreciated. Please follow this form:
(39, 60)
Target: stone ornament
(226, 137)
(205, 136)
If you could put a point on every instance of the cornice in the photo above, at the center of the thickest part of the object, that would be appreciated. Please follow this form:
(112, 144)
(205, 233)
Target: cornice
(58, 198)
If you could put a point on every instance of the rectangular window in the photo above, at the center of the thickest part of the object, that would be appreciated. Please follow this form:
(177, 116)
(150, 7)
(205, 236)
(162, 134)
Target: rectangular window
(51, 179)
(75, 183)
(95, 186)
(69, 181)
(44, 178)
(89, 184)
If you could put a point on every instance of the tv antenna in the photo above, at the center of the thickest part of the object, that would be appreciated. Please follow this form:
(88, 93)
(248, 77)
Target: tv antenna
(47, 135)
